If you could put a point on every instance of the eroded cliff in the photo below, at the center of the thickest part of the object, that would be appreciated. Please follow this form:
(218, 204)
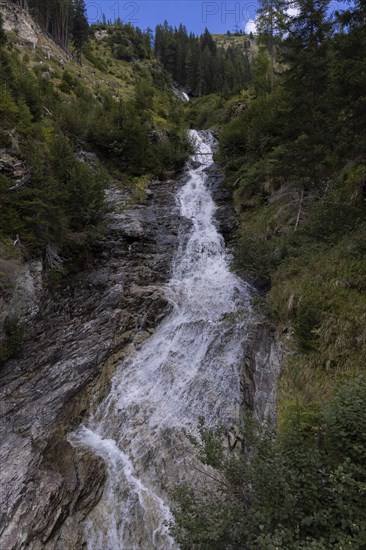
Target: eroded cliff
(84, 327)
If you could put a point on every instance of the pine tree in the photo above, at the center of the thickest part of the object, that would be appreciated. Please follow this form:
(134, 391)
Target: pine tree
(306, 83)
(270, 24)
(348, 94)
(80, 27)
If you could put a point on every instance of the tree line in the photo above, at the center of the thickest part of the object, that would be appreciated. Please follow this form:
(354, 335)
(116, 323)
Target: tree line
(198, 65)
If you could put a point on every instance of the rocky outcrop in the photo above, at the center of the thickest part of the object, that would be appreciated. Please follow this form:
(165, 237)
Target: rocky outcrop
(19, 22)
(261, 369)
(225, 214)
(262, 361)
(27, 33)
(77, 333)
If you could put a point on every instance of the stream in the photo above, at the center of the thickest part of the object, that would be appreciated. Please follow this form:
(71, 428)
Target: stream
(187, 370)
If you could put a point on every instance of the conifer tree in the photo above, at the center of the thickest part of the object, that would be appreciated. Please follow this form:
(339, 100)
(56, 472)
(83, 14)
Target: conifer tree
(80, 27)
(349, 79)
(307, 57)
(270, 24)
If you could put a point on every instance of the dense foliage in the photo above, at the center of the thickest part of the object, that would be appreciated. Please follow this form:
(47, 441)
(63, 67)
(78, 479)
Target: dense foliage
(128, 43)
(197, 64)
(59, 195)
(295, 160)
(293, 145)
(304, 488)
(57, 207)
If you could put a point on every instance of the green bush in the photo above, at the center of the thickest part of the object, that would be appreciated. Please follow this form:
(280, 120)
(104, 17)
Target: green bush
(13, 339)
(70, 84)
(206, 112)
(301, 489)
(94, 59)
(307, 320)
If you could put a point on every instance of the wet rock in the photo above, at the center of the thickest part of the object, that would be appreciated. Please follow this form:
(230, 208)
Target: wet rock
(260, 371)
(76, 335)
(225, 214)
(226, 219)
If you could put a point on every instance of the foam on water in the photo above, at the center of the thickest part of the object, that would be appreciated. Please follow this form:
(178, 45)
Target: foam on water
(188, 369)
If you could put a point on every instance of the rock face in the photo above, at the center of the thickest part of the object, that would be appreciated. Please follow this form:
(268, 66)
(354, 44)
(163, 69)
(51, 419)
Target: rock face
(76, 335)
(262, 363)
(17, 21)
(225, 214)
(27, 32)
(261, 369)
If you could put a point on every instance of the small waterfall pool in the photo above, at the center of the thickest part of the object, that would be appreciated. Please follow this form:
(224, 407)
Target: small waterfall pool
(189, 368)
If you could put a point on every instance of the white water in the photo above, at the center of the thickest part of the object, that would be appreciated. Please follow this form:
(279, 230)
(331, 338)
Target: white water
(188, 369)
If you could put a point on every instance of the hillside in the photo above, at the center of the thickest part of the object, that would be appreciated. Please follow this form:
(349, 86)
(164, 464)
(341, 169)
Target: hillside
(148, 372)
(292, 145)
(244, 41)
(67, 131)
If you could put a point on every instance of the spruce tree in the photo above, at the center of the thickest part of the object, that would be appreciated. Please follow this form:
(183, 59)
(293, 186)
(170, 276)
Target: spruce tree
(80, 27)
(349, 81)
(270, 24)
(306, 83)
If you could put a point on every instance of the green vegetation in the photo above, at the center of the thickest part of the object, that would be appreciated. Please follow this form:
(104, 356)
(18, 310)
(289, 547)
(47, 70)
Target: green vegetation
(197, 64)
(293, 147)
(12, 341)
(43, 207)
(296, 165)
(301, 488)
(80, 27)
(58, 204)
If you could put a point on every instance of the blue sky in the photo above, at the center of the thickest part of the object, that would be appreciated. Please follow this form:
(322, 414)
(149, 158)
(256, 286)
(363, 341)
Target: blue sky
(217, 16)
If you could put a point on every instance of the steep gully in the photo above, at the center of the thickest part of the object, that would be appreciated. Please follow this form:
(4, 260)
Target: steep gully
(106, 482)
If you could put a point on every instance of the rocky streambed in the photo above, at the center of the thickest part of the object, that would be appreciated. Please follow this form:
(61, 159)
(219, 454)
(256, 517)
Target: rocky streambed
(77, 333)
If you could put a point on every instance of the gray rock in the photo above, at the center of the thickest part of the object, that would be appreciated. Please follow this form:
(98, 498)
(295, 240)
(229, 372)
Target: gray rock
(261, 369)
(77, 333)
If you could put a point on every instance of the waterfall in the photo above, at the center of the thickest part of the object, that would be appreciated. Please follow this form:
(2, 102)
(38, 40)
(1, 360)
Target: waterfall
(189, 368)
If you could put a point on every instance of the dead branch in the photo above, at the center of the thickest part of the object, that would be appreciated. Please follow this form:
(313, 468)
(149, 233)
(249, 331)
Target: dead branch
(300, 208)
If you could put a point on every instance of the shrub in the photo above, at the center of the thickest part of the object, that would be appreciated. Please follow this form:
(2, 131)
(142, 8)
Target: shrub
(301, 489)
(13, 339)
(307, 320)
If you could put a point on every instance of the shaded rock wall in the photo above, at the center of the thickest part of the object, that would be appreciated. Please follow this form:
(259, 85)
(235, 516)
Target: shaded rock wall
(83, 328)
(262, 362)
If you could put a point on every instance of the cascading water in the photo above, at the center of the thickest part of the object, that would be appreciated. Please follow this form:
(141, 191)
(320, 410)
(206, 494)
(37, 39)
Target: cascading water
(189, 368)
